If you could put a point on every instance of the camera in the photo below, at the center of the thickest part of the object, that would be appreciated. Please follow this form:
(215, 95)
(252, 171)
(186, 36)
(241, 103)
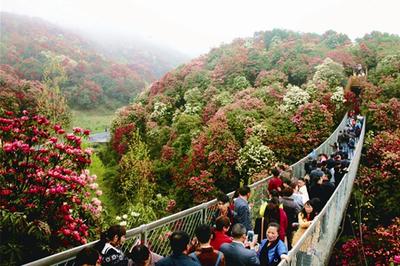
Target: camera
(250, 236)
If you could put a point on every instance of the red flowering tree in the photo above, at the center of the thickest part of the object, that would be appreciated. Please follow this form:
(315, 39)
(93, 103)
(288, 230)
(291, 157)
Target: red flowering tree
(386, 116)
(380, 246)
(202, 187)
(46, 198)
(314, 123)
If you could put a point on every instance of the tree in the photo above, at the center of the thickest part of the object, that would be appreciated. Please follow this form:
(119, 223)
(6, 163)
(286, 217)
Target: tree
(388, 75)
(294, 97)
(330, 72)
(17, 95)
(53, 78)
(332, 39)
(253, 158)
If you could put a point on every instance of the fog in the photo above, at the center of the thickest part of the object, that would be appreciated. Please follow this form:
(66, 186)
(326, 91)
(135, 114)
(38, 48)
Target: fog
(193, 27)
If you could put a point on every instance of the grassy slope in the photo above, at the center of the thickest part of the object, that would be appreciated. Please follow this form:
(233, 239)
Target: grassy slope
(99, 169)
(96, 120)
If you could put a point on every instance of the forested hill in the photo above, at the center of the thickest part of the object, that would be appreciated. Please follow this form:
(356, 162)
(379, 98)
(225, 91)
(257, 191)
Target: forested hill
(226, 117)
(39, 50)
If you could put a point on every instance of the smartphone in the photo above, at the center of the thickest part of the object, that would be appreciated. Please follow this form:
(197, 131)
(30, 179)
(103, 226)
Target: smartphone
(250, 236)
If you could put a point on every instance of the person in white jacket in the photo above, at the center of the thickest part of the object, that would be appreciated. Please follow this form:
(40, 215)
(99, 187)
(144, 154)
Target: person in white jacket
(303, 189)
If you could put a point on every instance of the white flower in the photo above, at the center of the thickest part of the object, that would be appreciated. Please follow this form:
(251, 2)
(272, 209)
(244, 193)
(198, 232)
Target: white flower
(254, 157)
(294, 97)
(338, 96)
(118, 218)
(123, 223)
(125, 216)
(159, 196)
(135, 214)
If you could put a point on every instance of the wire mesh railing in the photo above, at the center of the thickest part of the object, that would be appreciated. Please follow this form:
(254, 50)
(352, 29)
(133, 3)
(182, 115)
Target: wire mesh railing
(155, 234)
(316, 244)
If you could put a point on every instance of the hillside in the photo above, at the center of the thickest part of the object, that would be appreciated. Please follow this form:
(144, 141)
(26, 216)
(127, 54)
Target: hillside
(227, 116)
(39, 50)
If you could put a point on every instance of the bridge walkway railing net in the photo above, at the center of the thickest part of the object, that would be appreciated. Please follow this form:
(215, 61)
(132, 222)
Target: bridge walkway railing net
(317, 243)
(155, 234)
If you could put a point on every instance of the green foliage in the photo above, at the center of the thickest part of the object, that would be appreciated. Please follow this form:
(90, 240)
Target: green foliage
(135, 171)
(156, 138)
(332, 39)
(15, 226)
(199, 79)
(240, 83)
(186, 126)
(223, 98)
(387, 75)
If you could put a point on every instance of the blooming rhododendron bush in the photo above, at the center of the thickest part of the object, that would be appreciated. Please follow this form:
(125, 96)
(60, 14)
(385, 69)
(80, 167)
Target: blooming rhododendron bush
(47, 198)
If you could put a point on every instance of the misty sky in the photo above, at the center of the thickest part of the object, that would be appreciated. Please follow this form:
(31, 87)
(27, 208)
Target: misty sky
(193, 27)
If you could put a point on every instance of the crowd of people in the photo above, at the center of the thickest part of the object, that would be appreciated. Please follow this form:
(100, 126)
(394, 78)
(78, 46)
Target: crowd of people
(230, 239)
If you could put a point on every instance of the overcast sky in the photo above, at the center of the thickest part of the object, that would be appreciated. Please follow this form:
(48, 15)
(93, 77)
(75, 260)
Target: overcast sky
(193, 27)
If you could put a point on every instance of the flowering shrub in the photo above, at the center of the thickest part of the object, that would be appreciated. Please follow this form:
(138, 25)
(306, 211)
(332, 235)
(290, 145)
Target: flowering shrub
(120, 138)
(381, 246)
(240, 82)
(386, 116)
(338, 96)
(266, 78)
(202, 187)
(128, 220)
(330, 72)
(384, 152)
(42, 176)
(294, 97)
(314, 122)
(160, 111)
(254, 157)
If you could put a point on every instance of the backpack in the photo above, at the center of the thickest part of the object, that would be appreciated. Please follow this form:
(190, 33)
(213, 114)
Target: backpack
(194, 256)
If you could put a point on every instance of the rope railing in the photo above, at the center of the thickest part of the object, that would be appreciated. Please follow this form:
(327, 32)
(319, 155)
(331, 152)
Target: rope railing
(155, 234)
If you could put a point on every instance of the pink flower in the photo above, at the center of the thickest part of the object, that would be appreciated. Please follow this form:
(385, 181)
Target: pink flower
(99, 192)
(8, 147)
(93, 186)
(396, 259)
(70, 136)
(5, 192)
(66, 232)
(77, 129)
(96, 201)
(57, 128)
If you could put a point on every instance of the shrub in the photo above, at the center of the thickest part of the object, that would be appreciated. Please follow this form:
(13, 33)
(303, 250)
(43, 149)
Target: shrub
(43, 186)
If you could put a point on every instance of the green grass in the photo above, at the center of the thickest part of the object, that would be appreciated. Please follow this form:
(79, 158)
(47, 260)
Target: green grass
(99, 169)
(95, 120)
